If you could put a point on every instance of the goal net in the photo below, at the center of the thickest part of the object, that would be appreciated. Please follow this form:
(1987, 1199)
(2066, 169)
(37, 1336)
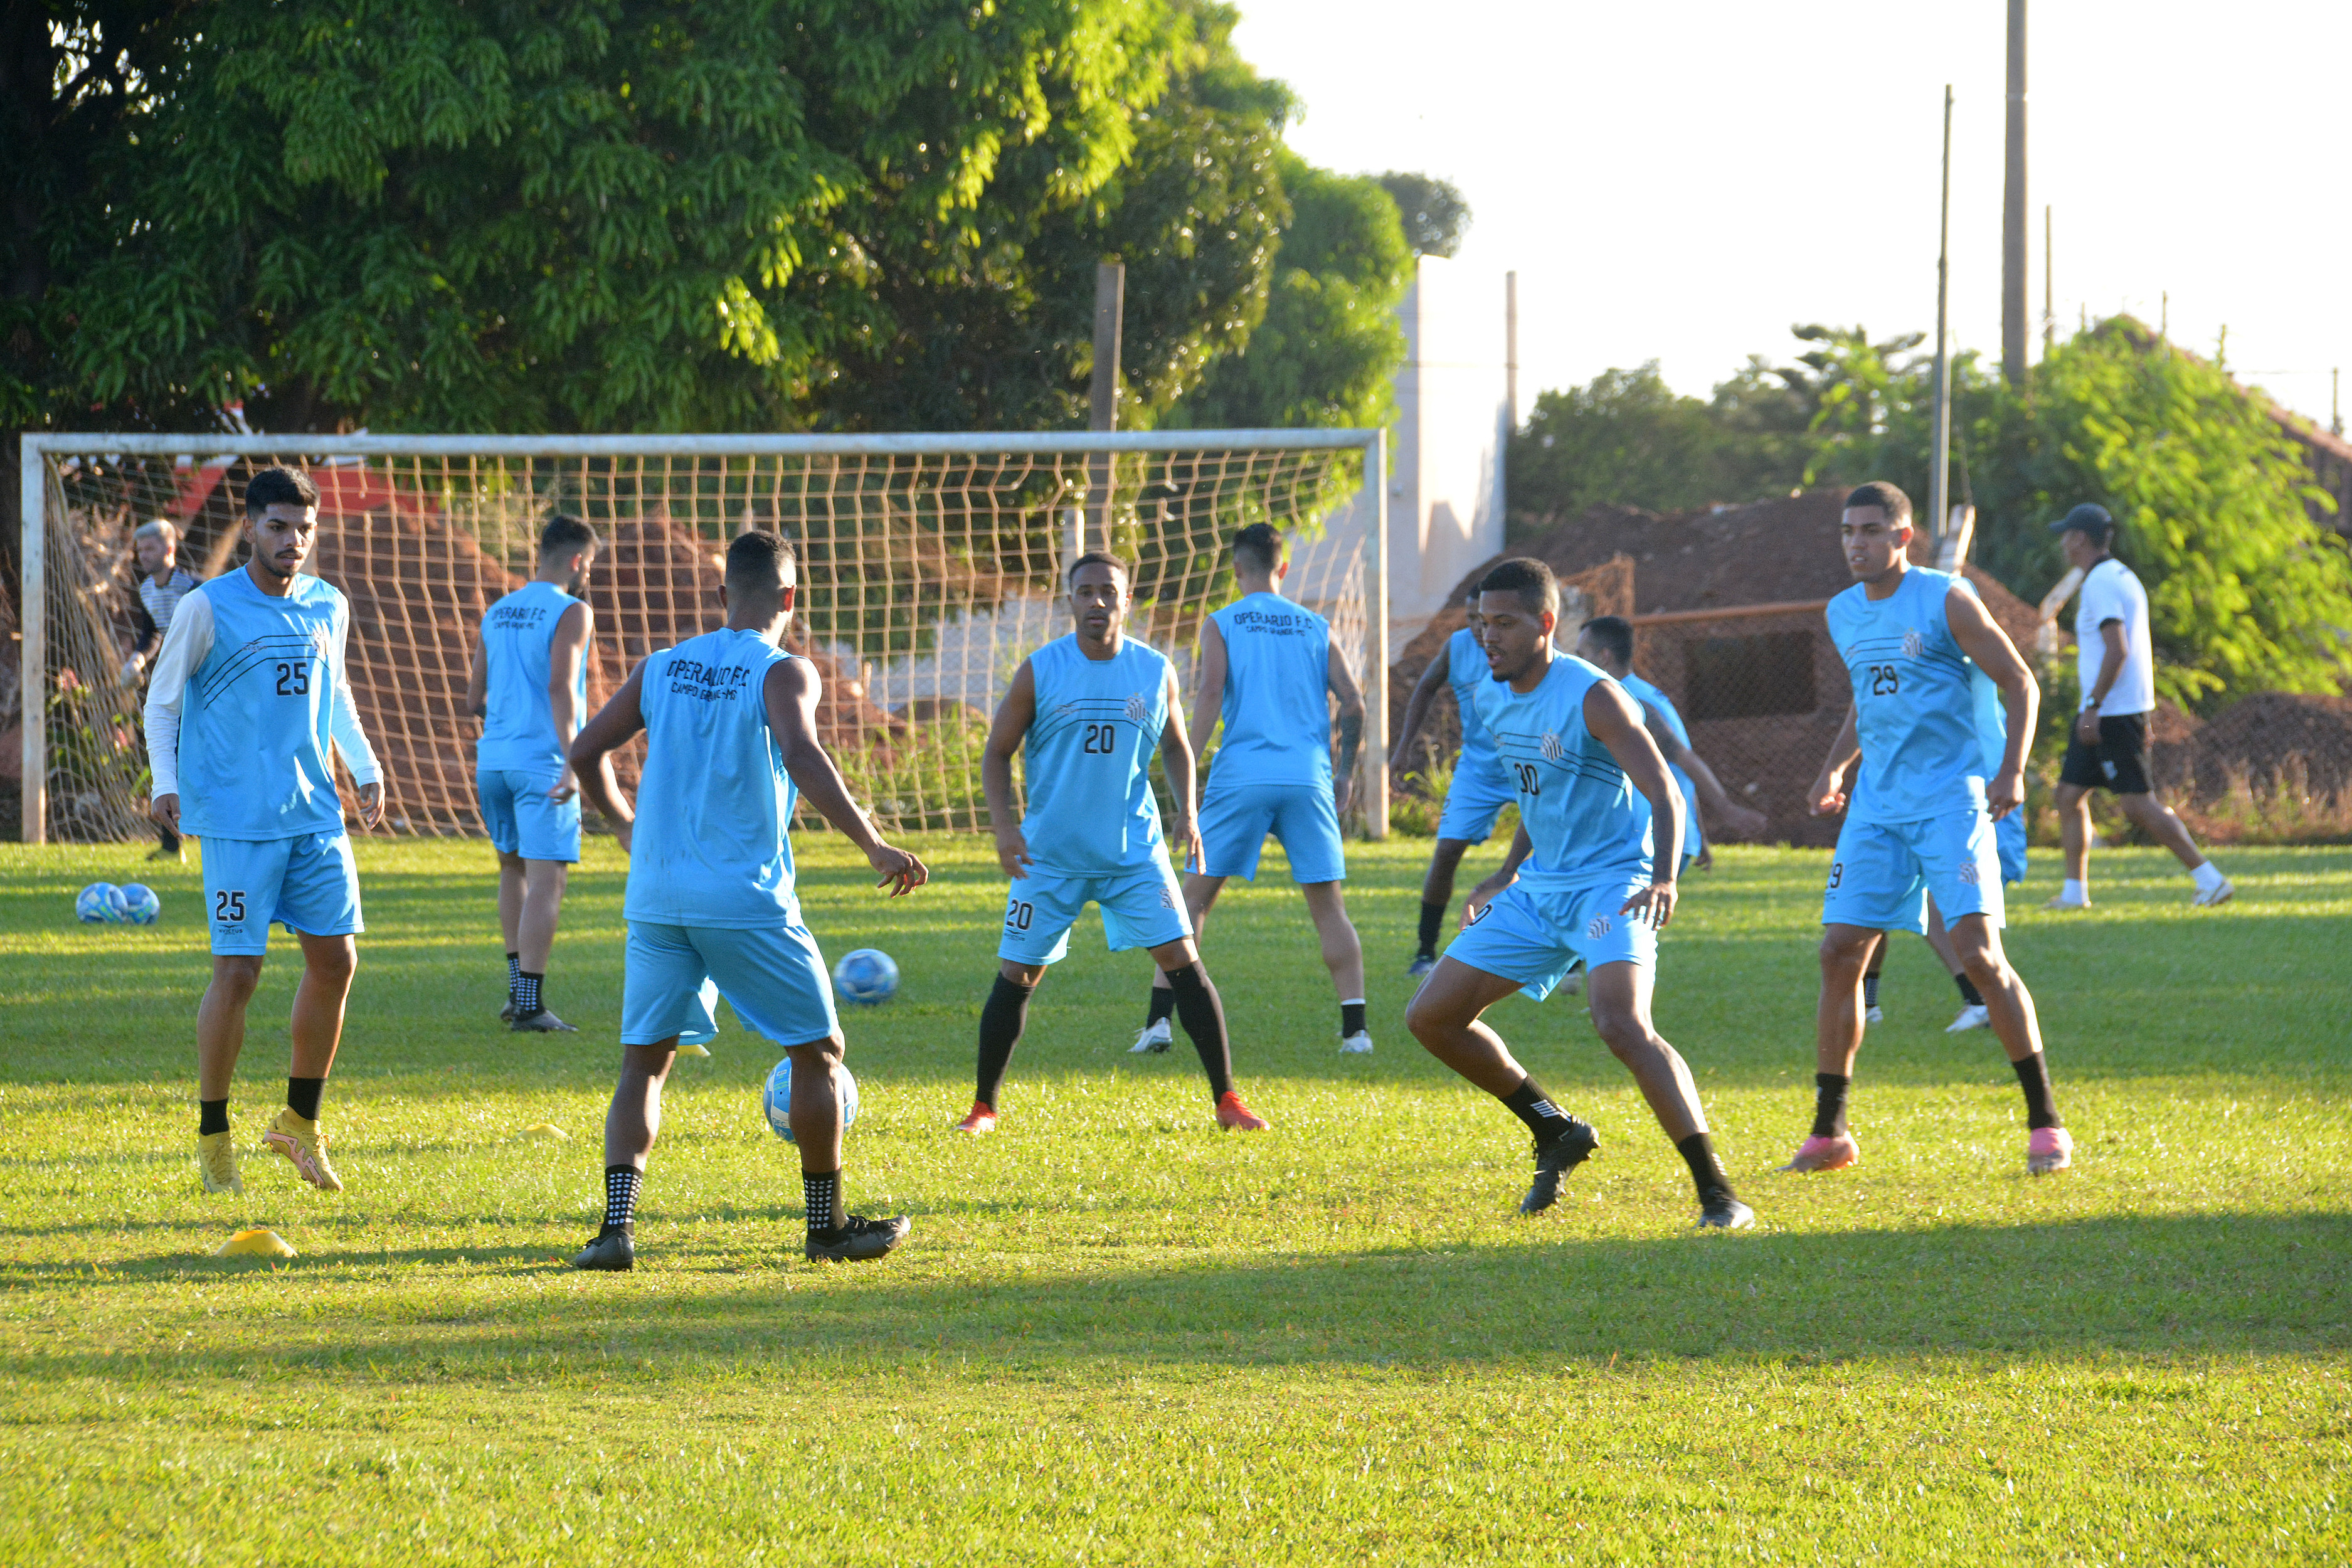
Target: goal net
(930, 566)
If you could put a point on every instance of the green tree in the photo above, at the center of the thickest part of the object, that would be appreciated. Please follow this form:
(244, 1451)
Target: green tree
(1625, 439)
(1435, 215)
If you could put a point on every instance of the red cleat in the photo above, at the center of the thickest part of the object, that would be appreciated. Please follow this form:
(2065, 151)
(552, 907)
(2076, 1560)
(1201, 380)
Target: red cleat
(982, 1120)
(1235, 1116)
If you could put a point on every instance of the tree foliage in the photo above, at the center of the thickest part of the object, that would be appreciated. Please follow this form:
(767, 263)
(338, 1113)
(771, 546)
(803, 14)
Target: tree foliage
(1435, 215)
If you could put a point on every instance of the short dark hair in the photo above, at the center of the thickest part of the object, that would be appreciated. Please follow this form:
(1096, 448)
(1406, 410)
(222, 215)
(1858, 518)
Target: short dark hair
(1889, 498)
(565, 534)
(1260, 544)
(279, 486)
(757, 560)
(1101, 558)
(1614, 633)
(1527, 577)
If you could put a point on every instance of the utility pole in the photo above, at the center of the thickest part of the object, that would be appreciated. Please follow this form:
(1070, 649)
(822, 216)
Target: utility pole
(2335, 402)
(2049, 288)
(1938, 478)
(1511, 347)
(2013, 209)
(1102, 401)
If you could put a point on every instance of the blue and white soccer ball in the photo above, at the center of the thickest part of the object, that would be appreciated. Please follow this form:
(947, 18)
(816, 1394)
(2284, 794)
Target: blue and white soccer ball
(778, 1100)
(102, 903)
(867, 977)
(141, 906)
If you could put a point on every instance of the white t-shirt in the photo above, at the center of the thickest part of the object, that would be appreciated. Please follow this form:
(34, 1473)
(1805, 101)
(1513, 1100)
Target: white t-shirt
(2110, 593)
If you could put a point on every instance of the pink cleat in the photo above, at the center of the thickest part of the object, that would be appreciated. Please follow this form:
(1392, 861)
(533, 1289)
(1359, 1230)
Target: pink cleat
(982, 1119)
(1835, 1152)
(2048, 1149)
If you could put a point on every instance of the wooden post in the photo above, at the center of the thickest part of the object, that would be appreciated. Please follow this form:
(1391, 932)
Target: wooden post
(1102, 402)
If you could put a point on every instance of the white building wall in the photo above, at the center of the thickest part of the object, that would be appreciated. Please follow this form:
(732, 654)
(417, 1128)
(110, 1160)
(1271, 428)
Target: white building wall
(1446, 462)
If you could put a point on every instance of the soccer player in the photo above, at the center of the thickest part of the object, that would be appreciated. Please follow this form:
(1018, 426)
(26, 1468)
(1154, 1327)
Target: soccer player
(2108, 747)
(731, 744)
(530, 687)
(1919, 820)
(246, 699)
(1599, 836)
(163, 584)
(1268, 670)
(1479, 790)
(1088, 709)
(1606, 642)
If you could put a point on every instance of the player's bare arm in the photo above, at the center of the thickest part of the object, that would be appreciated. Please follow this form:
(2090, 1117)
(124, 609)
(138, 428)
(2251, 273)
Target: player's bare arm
(1981, 639)
(1341, 683)
(1176, 762)
(1615, 720)
(1005, 733)
(1743, 822)
(1828, 794)
(1209, 691)
(477, 682)
(593, 748)
(1432, 681)
(790, 692)
(1505, 875)
(567, 652)
(2113, 651)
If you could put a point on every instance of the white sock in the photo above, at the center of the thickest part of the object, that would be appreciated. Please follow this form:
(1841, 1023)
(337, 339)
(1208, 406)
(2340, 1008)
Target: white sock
(2208, 875)
(2073, 892)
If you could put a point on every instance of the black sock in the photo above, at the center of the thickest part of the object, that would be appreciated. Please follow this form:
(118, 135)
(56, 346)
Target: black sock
(1433, 918)
(527, 993)
(514, 973)
(622, 1184)
(1164, 1004)
(1531, 1105)
(2033, 1077)
(1870, 989)
(303, 1096)
(211, 1116)
(1968, 992)
(1829, 1103)
(1202, 1013)
(1002, 1019)
(821, 1189)
(1707, 1173)
(1351, 1017)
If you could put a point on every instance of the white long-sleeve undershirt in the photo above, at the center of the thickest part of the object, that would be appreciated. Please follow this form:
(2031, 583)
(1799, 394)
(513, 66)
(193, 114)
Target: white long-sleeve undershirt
(184, 648)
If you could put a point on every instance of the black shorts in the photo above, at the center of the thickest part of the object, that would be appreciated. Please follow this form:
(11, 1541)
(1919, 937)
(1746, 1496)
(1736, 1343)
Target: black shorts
(2119, 764)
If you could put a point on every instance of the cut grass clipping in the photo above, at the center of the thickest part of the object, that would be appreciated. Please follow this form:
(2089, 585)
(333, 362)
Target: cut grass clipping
(1116, 1335)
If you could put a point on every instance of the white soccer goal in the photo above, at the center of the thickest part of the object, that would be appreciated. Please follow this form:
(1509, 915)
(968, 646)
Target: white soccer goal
(931, 564)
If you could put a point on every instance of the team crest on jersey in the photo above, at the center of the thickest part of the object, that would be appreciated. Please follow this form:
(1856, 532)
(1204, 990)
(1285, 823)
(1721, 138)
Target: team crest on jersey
(1913, 643)
(1601, 926)
(1552, 750)
(1135, 706)
(1969, 874)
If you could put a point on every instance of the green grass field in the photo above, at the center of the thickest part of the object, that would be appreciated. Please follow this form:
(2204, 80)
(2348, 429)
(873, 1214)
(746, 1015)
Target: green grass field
(1116, 1335)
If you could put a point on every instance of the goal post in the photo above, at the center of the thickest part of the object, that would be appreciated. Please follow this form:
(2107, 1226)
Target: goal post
(931, 564)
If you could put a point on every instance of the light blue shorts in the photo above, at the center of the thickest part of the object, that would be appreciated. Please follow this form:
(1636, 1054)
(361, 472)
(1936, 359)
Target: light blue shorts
(1140, 908)
(1477, 795)
(308, 885)
(1235, 821)
(522, 820)
(773, 976)
(1882, 873)
(1536, 936)
(2009, 835)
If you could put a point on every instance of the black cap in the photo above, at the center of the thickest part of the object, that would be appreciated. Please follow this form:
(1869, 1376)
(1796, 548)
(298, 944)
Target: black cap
(2089, 518)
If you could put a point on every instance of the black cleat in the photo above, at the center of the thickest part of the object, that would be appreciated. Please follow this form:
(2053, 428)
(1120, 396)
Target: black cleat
(1724, 1211)
(1556, 1157)
(614, 1251)
(858, 1240)
(541, 1023)
(506, 1012)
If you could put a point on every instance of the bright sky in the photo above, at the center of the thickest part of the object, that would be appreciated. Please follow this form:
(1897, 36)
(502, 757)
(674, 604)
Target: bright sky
(1682, 182)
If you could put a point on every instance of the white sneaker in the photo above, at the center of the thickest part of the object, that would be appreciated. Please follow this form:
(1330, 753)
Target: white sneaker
(1356, 1044)
(2063, 903)
(2220, 892)
(1971, 1016)
(1153, 1038)
(1875, 1015)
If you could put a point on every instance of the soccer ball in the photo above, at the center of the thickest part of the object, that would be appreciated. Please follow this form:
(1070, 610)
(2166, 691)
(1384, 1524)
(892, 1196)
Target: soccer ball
(778, 1100)
(867, 977)
(141, 906)
(102, 903)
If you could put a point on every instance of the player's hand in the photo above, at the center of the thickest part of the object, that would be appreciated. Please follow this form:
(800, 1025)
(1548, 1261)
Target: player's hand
(164, 811)
(1746, 824)
(1188, 834)
(1827, 798)
(370, 804)
(902, 873)
(1654, 904)
(1013, 853)
(624, 834)
(1706, 858)
(1343, 792)
(2005, 794)
(567, 785)
(130, 670)
(1482, 894)
(2086, 726)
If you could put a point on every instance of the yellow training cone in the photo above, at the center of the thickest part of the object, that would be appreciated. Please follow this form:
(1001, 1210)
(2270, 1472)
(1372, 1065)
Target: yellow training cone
(689, 1049)
(546, 1133)
(253, 1244)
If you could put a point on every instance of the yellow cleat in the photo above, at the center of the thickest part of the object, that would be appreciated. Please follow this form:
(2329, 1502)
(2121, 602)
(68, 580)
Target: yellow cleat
(299, 1139)
(216, 1162)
